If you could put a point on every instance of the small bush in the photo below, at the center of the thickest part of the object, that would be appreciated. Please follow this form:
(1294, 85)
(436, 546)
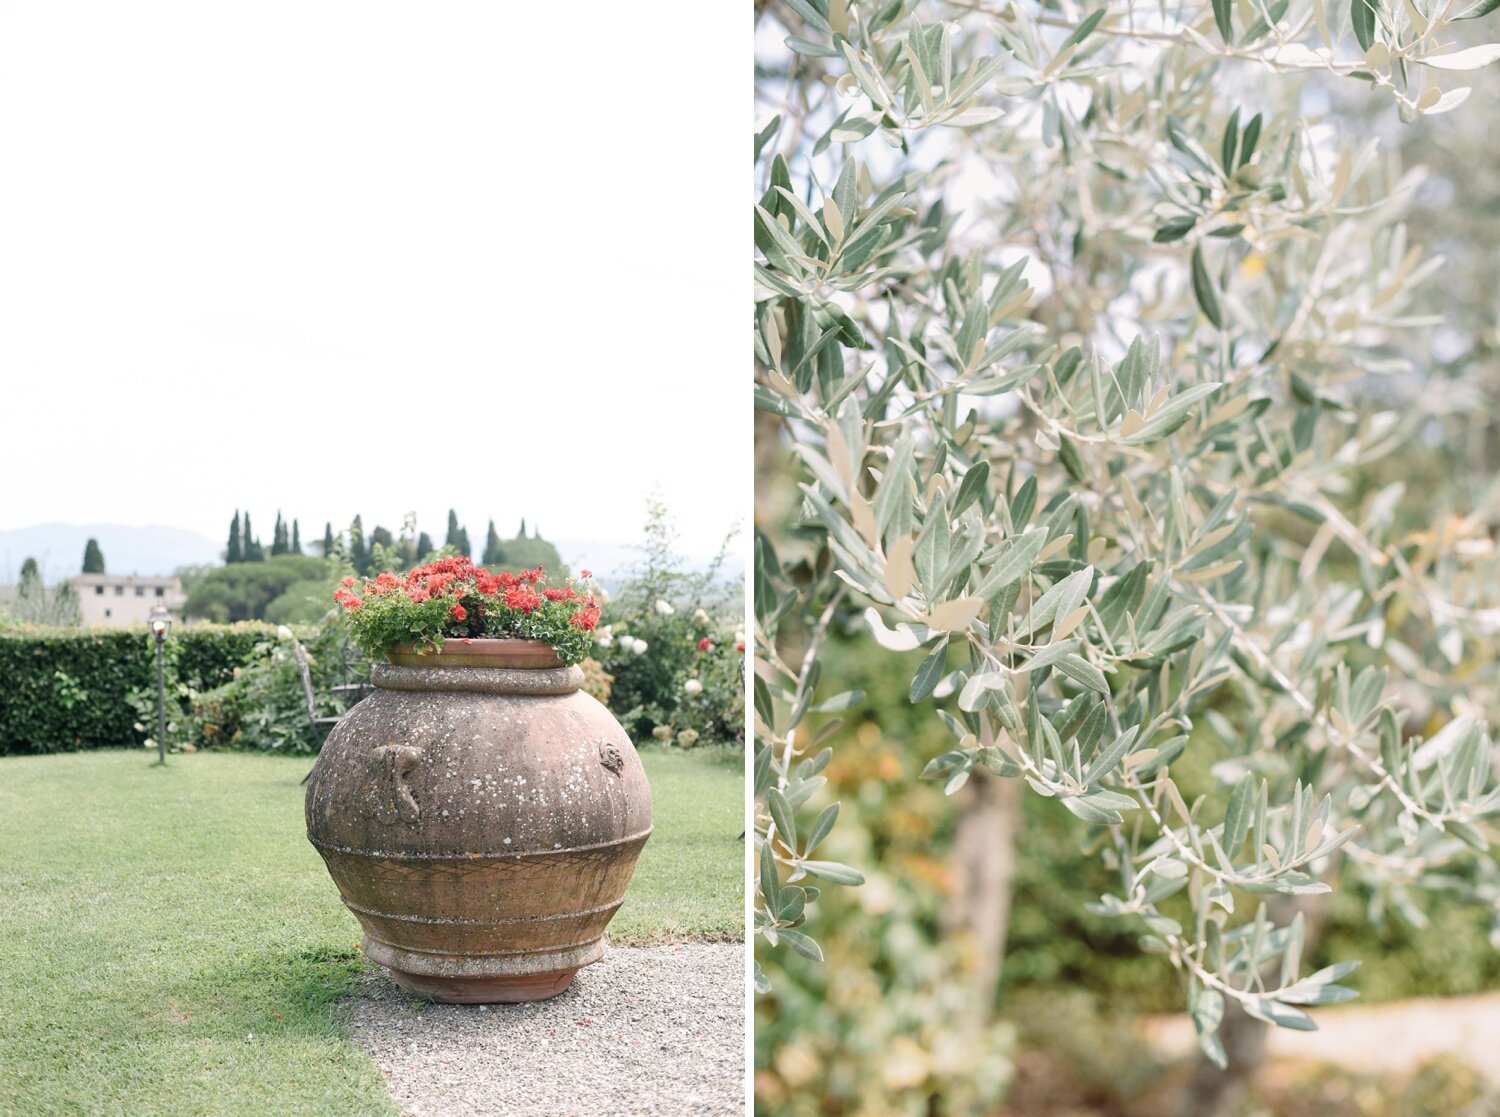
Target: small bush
(596, 680)
(263, 705)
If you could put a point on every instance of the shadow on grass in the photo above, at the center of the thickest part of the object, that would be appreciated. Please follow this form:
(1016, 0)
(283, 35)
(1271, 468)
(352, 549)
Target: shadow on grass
(278, 991)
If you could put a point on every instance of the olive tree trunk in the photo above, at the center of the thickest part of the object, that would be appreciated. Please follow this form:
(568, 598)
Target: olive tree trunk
(1212, 1092)
(984, 861)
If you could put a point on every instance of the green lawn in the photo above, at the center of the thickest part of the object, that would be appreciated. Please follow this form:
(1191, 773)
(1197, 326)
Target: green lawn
(170, 943)
(690, 882)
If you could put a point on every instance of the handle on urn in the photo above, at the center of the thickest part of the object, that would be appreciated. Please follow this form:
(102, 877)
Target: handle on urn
(400, 762)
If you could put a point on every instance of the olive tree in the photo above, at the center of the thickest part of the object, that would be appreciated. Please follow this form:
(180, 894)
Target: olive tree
(1084, 326)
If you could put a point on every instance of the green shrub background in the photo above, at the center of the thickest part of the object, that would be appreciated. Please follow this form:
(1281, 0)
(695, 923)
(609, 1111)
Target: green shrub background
(70, 689)
(238, 685)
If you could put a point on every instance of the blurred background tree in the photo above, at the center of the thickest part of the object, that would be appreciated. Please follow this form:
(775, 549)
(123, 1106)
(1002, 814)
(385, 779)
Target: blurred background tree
(30, 602)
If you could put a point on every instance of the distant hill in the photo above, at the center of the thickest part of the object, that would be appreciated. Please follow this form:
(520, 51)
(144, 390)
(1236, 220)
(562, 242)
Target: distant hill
(58, 548)
(158, 549)
(616, 562)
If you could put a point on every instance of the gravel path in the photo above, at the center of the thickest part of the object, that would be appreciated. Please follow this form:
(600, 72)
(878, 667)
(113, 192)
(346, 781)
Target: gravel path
(1375, 1039)
(648, 1032)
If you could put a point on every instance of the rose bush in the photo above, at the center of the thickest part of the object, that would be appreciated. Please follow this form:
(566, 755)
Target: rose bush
(712, 696)
(672, 641)
(677, 674)
(451, 597)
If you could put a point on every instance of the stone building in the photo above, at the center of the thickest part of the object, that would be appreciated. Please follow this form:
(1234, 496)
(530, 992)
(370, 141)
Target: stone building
(121, 599)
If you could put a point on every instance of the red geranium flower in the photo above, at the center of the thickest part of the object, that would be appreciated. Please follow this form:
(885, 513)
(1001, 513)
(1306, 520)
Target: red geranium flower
(459, 613)
(740, 646)
(585, 573)
(586, 618)
(704, 644)
(521, 597)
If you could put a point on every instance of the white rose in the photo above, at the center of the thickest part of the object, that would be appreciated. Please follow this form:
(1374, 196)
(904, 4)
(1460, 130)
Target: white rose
(283, 632)
(604, 641)
(700, 617)
(639, 647)
(692, 686)
(664, 607)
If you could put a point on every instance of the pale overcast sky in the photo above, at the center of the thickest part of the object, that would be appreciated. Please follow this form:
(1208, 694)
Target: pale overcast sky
(372, 258)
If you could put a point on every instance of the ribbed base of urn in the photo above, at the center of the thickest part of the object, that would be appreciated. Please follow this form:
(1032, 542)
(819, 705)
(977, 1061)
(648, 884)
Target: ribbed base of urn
(484, 990)
(482, 979)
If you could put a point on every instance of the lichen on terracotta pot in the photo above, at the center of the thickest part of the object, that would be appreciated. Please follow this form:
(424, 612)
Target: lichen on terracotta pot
(482, 817)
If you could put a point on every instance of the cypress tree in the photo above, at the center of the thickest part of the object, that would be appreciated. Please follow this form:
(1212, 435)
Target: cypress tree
(327, 539)
(31, 595)
(494, 554)
(278, 536)
(296, 538)
(93, 558)
(522, 533)
(424, 546)
(250, 545)
(235, 553)
(458, 537)
(357, 553)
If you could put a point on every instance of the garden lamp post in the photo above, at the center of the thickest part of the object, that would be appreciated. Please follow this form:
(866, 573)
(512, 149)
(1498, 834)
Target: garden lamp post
(161, 623)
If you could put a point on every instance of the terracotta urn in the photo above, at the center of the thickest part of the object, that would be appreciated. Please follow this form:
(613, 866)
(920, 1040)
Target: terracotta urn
(481, 817)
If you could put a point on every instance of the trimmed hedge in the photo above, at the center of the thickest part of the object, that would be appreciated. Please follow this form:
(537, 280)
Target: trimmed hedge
(69, 688)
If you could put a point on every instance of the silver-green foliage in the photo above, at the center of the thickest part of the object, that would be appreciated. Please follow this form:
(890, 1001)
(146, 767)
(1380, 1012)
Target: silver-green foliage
(1101, 506)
